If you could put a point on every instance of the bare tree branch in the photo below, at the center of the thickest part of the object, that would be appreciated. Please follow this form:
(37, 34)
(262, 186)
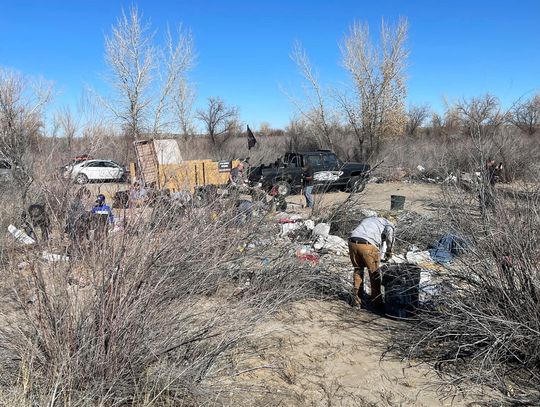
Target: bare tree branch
(378, 75)
(218, 118)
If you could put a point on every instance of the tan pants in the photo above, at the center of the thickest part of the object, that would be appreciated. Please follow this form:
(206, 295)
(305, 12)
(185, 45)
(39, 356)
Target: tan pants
(366, 255)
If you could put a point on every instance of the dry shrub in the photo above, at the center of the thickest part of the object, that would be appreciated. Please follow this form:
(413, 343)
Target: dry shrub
(146, 315)
(442, 156)
(485, 326)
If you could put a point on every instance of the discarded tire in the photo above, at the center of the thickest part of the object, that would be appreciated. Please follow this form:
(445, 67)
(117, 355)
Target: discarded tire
(356, 184)
(282, 188)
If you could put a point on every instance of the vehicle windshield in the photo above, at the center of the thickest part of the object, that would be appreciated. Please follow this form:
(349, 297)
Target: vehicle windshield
(331, 160)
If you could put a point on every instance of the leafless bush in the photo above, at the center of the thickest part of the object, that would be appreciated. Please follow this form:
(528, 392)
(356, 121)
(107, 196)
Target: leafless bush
(145, 315)
(416, 116)
(526, 115)
(452, 155)
(484, 327)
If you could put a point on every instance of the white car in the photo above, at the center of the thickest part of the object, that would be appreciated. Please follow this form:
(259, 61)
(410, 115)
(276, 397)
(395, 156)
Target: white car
(94, 170)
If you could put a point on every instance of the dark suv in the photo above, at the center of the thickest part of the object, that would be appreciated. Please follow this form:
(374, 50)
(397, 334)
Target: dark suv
(6, 170)
(328, 172)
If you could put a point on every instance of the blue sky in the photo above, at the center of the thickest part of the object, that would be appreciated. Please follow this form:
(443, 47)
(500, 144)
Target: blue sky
(458, 48)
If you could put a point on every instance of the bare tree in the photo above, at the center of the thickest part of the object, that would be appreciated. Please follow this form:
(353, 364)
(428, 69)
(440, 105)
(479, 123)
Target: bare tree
(416, 116)
(148, 80)
(378, 74)
(131, 57)
(175, 91)
(481, 116)
(218, 118)
(352, 117)
(21, 120)
(183, 107)
(481, 119)
(526, 115)
(67, 124)
(315, 111)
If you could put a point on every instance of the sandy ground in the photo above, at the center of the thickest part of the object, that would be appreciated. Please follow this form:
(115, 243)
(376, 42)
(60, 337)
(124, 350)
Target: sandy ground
(418, 197)
(329, 354)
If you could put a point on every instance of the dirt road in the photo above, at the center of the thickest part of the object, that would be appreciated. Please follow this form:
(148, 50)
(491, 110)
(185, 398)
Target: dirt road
(377, 196)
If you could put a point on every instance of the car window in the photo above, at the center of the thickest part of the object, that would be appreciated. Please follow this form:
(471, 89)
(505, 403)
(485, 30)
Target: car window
(313, 160)
(92, 164)
(295, 161)
(330, 160)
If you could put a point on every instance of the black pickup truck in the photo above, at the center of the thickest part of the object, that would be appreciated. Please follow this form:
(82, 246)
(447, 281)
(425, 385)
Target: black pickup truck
(328, 172)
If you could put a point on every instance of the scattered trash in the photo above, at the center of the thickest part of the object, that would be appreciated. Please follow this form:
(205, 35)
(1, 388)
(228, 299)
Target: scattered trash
(448, 247)
(285, 220)
(309, 257)
(287, 228)
(54, 257)
(303, 250)
(293, 205)
(332, 243)
(427, 287)
(20, 235)
(368, 213)
(309, 224)
(375, 180)
(321, 229)
(418, 257)
(421, 168)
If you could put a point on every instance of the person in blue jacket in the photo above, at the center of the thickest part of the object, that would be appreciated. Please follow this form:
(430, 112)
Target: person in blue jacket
(101, 208)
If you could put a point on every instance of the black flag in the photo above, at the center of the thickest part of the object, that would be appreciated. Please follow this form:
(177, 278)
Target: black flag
(251, 139)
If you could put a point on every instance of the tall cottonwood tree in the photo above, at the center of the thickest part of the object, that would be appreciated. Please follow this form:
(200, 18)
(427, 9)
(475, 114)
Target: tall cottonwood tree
(315, 109)
(377, 71)
(146, 78)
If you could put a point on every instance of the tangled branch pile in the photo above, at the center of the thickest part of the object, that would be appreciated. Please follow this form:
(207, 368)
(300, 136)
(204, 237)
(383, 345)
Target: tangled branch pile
(486, 327)
(145, 316)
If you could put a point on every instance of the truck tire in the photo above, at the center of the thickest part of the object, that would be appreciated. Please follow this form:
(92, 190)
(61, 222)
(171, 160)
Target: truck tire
(81, 179)
(283, 188)
(356, 184)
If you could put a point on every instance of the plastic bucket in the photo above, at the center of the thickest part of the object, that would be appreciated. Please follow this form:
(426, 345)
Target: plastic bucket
(397, 202)
(401, 289)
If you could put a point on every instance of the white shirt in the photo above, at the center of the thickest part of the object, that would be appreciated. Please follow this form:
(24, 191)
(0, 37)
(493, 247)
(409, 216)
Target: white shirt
(372, 229)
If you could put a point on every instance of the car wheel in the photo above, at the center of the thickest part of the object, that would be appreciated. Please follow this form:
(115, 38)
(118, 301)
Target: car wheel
(356, 184)
(81, 179)
(283, 188)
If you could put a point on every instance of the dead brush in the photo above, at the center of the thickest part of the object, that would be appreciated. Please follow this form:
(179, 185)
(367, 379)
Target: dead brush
(146, 315)
(486, 328)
